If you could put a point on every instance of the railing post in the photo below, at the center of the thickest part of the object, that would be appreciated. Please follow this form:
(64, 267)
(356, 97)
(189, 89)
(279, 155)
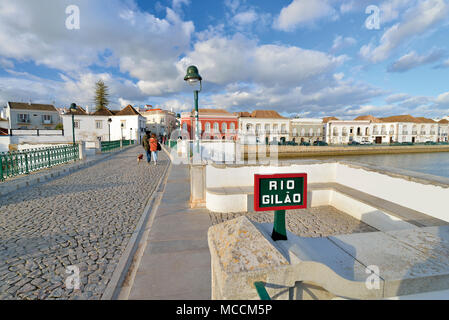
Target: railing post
(1, 168)
(48, 159)
(26, 163)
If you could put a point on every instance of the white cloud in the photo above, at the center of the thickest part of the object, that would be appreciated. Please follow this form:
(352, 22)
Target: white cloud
(247, 17)
(412, 60)
(397, 97)
(368, 110)
(341, 42)
(238, 59)
(443, 99)
(415, 22)
(106, 25)
(302, 13)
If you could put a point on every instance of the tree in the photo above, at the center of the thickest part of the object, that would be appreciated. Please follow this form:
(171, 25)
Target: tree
(101, 94)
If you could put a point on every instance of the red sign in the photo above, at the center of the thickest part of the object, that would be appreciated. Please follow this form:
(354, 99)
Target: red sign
(280, 191)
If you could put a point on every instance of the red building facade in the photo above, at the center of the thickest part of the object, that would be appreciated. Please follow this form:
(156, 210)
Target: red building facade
(214, 124)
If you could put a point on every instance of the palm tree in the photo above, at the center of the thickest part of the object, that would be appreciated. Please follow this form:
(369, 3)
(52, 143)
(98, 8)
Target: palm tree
(101, 94)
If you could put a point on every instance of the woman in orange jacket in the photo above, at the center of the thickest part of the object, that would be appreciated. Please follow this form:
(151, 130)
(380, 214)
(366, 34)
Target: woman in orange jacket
(153, 147)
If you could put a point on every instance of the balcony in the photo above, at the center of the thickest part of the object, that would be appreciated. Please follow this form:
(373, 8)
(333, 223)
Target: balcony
(47, 122)
(391, 132)
(384, 133)
(404, 133)
(414, 132)
(432, 132)
(24, 121)
(375, 133)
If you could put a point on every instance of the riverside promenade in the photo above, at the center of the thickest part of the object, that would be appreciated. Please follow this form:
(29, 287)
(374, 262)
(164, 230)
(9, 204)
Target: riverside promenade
(83, 219)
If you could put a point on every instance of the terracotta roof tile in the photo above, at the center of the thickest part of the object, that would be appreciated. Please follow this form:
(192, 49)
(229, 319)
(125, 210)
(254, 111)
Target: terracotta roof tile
(103, 111)
(79, 111)
(128, 111)
(443, 121)
(266, 114)
(425, 120)
(327, 119)
(213, 111)
(32, 106)
(401, 118)
(243, 114)
(368, 117)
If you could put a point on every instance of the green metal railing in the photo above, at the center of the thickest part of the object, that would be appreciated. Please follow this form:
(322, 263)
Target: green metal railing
(107, 146)
(128, 142)
(26, 161)
(261, 291)
(172, 144)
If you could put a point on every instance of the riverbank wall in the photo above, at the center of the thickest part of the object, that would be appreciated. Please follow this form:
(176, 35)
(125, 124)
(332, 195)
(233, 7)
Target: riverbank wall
(285, 152)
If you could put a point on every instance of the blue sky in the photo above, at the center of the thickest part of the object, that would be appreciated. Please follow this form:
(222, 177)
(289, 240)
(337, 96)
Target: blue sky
(299, 57)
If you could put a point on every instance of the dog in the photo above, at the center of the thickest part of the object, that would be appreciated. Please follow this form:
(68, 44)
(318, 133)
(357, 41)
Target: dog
(139, 158)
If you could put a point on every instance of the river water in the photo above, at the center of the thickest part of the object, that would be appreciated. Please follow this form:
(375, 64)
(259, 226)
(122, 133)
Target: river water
(430, 163)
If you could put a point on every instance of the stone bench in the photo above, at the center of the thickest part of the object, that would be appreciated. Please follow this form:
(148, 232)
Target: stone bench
(374, 265)
(382, 214)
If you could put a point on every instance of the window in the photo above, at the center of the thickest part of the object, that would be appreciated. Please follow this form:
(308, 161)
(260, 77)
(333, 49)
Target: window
(99, 124)
(184, 126)
(123, 124)
(24, 117)
(46, 119)
(283, 128)
(77, 124)
(232, 125)
(224, 127)
(216, 129)
(267, 128)
(207, 128)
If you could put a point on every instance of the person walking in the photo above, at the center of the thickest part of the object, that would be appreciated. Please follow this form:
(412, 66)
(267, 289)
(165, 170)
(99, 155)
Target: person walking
(146, 145)
(154, 147)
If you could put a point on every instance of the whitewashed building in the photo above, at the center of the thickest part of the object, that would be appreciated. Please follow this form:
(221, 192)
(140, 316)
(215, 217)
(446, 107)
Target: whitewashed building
(25, 116)
(125, 124)
(306, 130)
(263, 125)
(443, 130)
(159, 121)
(404, 128)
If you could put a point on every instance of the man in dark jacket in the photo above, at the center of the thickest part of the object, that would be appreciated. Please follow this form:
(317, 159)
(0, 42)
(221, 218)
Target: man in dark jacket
(146, 145)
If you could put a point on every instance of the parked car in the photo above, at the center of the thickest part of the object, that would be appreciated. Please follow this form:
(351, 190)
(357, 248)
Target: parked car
(304, 143)
(407, 143)
(353, 143)
(366, 142)
(320, 143)
(430, 142)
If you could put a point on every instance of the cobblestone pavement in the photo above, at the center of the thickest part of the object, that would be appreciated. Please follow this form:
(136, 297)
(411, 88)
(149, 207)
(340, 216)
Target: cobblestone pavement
(84, 219)
(312, 222)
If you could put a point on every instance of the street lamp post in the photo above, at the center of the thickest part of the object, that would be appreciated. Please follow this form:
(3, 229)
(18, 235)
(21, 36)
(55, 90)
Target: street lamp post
(109, 125)
(192, 77)
(72, 111)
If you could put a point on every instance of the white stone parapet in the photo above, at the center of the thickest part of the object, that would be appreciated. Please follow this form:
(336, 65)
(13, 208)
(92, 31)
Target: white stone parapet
(374, 265)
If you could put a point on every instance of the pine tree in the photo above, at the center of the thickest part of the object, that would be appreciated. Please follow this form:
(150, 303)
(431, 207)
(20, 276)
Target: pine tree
(101, 94)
